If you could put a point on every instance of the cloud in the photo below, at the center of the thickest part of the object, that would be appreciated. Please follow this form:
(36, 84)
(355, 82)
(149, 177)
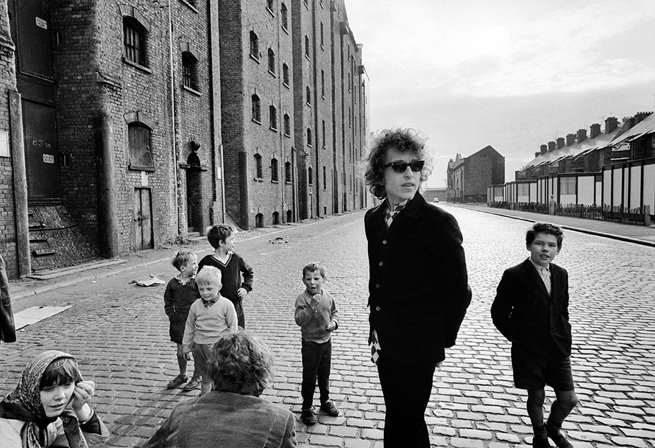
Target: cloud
(497, 50)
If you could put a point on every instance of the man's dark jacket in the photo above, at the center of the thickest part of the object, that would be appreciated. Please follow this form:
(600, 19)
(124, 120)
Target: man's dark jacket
(7, 329)
(526, 315)
(418, 288)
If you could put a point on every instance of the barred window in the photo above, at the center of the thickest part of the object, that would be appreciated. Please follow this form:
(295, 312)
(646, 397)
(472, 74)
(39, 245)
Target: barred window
(134, 40)
(189, 71)
(287, 125)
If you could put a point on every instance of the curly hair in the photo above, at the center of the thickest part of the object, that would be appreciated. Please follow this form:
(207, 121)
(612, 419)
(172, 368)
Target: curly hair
(182, 258)
(240, 363)
(544, 227)
(218, 233)
(403, 140)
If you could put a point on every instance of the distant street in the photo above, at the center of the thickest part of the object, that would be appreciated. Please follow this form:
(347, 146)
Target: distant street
(119, 332)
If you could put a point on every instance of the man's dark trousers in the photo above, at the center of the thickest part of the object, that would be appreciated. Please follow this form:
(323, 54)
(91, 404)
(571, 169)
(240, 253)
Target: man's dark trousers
(316, 359)
(406, 389)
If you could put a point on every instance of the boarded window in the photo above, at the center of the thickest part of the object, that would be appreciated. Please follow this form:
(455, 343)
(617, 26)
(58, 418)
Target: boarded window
(139, 137)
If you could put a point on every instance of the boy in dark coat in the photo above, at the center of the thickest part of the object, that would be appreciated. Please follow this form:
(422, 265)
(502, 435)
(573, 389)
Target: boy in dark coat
(531, 310)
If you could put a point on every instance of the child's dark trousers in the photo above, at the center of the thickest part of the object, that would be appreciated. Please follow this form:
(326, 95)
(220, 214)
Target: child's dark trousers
(316, 360)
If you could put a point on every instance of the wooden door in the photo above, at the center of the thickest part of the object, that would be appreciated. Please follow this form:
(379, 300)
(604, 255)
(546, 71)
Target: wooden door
(142, 219)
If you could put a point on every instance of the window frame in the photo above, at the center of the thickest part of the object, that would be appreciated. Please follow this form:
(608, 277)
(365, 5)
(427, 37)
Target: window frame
(254, 46)
(135, 52)
(259, 169)
(132, 128)
(271, 62)
(256, 110)
(272, 117)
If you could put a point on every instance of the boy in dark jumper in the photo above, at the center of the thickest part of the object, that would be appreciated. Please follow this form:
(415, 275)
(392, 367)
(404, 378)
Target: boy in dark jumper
(531, 309)
(237, 274)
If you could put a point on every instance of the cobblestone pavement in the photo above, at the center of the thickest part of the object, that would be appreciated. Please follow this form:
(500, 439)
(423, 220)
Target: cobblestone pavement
(119, 333)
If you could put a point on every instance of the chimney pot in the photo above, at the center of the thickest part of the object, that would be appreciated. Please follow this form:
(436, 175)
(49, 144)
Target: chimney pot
(611, 123)
(594, 130)
(560, 142)
(640, 116)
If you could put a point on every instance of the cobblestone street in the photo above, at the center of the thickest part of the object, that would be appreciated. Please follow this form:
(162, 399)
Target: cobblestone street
(119, 333)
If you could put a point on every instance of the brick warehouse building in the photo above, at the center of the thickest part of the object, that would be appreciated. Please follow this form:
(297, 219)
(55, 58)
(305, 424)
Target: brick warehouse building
(283, 103)
(121, 106)
(469, 177)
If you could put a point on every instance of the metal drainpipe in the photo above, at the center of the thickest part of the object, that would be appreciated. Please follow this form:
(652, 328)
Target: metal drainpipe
(280, 125)
(319, 171)
(173, 118)
(222, 185)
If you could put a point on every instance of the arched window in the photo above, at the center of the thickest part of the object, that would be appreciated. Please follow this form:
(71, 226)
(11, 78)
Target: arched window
(139, 142)
(134, 41)
(272, 111)
(189, 70)
(285, 74)
(259, 174)
(322, 84)
(274, 171)
(271, 61)
(276, 218)
(287, 125)
(284, 13)
(256, 109)
(254, 45)
(309, 137)
(310, 176)
(269, 5)
(324, 179)
(308, 94)
(287, 172)
(307, 53)
(259, 220)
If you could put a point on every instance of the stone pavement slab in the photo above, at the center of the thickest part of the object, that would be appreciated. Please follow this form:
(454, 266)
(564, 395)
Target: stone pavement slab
(119, 333)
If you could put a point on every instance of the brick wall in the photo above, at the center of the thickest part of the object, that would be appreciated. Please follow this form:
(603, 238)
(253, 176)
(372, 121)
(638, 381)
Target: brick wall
(7, 84)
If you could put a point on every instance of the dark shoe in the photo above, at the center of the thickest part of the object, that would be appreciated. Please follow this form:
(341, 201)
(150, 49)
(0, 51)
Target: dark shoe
(191, 385)
(177, 381)
(540, 442)
(330, 409)
(556, 436)
(308, 416)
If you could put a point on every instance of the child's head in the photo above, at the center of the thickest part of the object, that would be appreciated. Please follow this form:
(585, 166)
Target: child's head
(57, 385)
(313, 276)
(544, 242)
(221, 234)
(209, 282)
(186, 262)
(59, 372)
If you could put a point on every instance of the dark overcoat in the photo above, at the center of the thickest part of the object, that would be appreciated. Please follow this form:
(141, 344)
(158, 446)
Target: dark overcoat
(527, 315)
(7, 328)
(418, 288)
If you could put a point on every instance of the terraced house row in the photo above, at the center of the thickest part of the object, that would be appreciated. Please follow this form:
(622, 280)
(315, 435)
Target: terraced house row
(127, 124)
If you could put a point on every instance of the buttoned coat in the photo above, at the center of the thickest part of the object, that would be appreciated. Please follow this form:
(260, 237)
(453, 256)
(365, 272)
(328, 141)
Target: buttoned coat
(527, 315)
(418, 287)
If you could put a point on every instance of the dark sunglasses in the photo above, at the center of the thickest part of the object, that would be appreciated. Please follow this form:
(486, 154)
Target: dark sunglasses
(400, 167)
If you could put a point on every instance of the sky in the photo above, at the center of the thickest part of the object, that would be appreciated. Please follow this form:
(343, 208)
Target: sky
(513, 74)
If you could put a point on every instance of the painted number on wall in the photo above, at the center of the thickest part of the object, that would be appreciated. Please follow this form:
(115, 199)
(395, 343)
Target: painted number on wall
(48, 158)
